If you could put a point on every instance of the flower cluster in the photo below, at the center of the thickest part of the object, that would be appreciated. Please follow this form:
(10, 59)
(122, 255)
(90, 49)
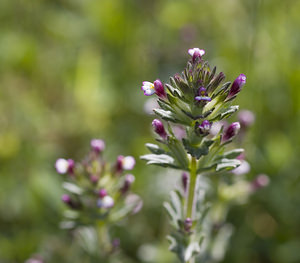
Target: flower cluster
(199, 100)
(96, 191)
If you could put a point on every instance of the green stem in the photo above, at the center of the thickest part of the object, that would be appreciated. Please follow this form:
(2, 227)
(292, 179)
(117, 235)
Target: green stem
(193, 176)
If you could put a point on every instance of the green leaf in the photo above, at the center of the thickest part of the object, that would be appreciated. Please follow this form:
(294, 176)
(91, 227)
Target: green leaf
(227, 164)
(72, 188)
(160, 159)
(175, 92)
(225, 113)
(197, 151)
(232, 154)
(154, 148)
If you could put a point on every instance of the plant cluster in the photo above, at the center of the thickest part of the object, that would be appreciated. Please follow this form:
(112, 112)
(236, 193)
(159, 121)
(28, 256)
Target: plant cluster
(199, 100)
(97, 196)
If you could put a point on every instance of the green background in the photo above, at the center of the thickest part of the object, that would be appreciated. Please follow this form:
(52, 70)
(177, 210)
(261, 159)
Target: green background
(71, 70)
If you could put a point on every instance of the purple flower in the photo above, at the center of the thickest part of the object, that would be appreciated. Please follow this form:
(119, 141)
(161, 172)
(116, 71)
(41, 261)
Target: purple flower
(148, 88)
(63, 166)
(129, 179)
(260, 181)
(246, 118)
(204, 127)
(159, 128)
(188, 223)
(202, 95)
(66, 198)
(231, 131)
(236, 86)
(97, 145)
(125, 163)
(196, 53)
(102, 193)
(159, 89)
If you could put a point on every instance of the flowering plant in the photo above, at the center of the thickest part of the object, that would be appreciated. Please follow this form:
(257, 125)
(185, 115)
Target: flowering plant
(199, 101)
(97, 196)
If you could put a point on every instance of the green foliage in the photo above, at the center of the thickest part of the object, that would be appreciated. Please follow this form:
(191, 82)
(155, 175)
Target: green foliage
(70, 71)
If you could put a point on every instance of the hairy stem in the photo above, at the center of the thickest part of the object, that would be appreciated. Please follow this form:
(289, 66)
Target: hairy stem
(193, 176)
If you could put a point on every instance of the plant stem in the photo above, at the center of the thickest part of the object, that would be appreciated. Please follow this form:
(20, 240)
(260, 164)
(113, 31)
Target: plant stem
(193, 176)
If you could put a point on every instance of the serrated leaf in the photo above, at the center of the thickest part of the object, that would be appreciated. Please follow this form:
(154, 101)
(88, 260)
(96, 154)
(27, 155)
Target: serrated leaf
(227, 164)
(155, 148)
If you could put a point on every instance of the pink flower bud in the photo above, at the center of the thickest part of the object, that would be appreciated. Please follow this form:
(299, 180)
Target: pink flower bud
(159, 89)
(159, 128)
(97, 145)
(231, 131)
(236, 86)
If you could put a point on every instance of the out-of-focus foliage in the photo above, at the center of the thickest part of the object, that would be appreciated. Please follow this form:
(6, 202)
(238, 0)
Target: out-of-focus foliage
(71, 70)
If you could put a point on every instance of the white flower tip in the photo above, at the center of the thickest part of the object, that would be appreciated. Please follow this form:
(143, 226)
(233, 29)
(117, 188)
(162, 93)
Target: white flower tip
(106, 202)
(191, 51)
(61, 166)
(98, 145)
(128, 163)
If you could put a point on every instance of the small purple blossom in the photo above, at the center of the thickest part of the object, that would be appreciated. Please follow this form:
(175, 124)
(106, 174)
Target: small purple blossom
(63, 166)
(260, 181)
(204, 127)
(129, 179)
(188, 223)
(231, 131)
(159, 89)
(148, 88)
(159, 128)
(202, 95)
(97, 145)
(102, 193)
(66, 198)
(106, 202)
(236, 86)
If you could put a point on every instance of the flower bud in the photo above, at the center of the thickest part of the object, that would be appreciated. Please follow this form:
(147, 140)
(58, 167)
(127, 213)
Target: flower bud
(102, 193)
(231, 131)
(129, 179)
(188, 223)
(204, 127)
(184, 181)
(246, 118)
(159, 89)
(159, 128)
(125, 163)
(63, 166)
(68, 201)
(97, 145)
(66, 198)
(260, 181)
(106, 202)
(236, 86)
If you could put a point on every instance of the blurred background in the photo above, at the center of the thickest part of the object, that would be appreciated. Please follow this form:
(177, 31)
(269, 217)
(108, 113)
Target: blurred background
(71, 70)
